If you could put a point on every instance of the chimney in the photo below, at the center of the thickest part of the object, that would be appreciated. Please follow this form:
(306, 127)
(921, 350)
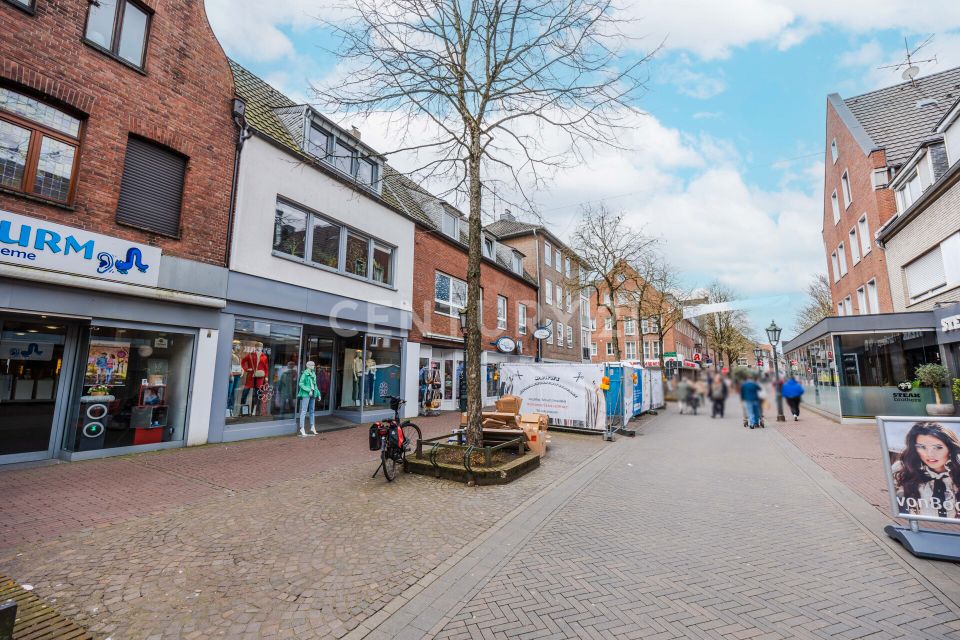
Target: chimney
(506, 215)
(355, 132)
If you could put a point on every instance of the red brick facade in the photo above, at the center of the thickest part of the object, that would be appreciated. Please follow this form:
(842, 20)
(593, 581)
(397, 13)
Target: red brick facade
(433, 252)
(878, 205)
(181, 100)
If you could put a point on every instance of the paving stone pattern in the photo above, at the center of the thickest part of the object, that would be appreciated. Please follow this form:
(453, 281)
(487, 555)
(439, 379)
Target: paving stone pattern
(703, 529)
(308, 557)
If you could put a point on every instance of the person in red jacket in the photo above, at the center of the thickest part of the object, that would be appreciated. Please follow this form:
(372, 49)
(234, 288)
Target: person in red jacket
(255, 369)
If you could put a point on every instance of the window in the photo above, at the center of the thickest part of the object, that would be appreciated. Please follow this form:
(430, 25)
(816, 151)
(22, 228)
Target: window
(879, 178)
(549, 325)
(593, 324)
(862, 301)
(622, 298)
(366, 172)
(836, 266)
(836, 207)
(569, 337)
(548, 292)
(842, 256)
(569, 303)
(864, 228)
(608, 324)
(264, 359)
(631, 350)
(501, 312)
(566, 267)
(833, 150)
(517, 263)
(23, 4)
(151, 190)
(593, 348)
(560, 334)
(120, 27)
(845, 185)
(522, 319)
(547, 254)
(840, 309)
(628, 327)
(848, 306)
(342, 157)
(488, 248)
(304, 234)
(872, 297)
(854, 246)
(38, 147)
(925, 275)
(449, 295)
(318, 142)
(606, 297)
(910, 191)
(450, 225)
(560, 296)
(609, 349)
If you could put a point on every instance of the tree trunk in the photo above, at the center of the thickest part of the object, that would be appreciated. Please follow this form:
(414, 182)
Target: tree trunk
(613, 335)
(473, 347)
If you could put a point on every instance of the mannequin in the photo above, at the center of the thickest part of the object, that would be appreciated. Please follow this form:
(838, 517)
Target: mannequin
(308, 392)
(370, 377)
(236, 372)
(357, 376)
(255, 368)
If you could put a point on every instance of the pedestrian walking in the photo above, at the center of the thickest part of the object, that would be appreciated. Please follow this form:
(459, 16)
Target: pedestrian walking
(791, 392)
(750, 396)
(308, 392)
(718, 395)
(683, 393)
(700, 387)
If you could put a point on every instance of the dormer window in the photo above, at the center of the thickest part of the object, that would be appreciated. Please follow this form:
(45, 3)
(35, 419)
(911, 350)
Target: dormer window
(324, 143)
(450, 225)
(488, 248)
(517, 263)
(910, 191)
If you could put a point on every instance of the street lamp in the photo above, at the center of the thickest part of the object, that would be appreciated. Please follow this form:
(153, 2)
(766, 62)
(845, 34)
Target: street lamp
(758, 354)
(773, 335)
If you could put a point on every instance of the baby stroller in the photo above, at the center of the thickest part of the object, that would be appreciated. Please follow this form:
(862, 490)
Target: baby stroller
(746, 416)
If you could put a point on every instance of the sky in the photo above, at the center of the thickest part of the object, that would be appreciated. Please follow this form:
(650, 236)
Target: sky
(725, 167)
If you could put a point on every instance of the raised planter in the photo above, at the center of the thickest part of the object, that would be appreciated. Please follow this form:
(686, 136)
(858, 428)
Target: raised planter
(496, 464)
(940, 410)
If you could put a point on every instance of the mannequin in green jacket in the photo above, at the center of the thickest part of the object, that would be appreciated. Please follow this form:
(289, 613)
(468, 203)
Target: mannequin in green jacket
(308, 392)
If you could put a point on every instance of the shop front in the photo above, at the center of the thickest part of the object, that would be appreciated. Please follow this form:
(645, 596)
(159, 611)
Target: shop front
(947, 319)
(859, 367)
(357, 348)
(96, 363)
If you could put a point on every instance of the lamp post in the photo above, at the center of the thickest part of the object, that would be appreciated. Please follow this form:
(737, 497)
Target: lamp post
(758, 354)
(462, 381)
(773, 335)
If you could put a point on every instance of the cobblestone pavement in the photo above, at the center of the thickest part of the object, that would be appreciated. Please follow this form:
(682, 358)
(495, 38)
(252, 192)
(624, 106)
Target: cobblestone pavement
(702, 529)
(251, 554)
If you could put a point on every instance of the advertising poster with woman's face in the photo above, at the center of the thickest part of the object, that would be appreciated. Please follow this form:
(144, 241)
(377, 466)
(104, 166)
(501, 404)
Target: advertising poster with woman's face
(107, 363)
(923, 467)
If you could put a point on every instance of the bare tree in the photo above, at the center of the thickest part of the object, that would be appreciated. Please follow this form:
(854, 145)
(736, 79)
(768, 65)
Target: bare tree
(819, 304)
(659, 297)
(491, 78)
(728, 331)
(608, 249)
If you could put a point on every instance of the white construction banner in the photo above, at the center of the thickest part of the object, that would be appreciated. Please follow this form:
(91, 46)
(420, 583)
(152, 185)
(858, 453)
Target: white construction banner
(568, 393)
(656, 388)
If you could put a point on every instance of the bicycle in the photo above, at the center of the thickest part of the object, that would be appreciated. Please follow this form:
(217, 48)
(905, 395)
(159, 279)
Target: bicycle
(393, 439)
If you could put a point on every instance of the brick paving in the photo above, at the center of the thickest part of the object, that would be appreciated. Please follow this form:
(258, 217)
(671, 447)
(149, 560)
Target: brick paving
(281, 538)
(703, 529)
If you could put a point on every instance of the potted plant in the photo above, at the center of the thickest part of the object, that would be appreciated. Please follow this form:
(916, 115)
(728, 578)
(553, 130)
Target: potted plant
(956, 391)
(936, 377)
(99, 390)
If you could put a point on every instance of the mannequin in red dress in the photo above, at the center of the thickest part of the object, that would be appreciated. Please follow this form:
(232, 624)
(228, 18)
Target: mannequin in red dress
(255, 369)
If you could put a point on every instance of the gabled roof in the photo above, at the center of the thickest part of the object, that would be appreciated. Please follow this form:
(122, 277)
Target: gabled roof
(262, 102)
(506, 228)
(894, 121)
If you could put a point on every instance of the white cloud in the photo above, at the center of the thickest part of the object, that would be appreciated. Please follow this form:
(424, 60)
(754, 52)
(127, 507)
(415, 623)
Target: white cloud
(871, 56)
(251, 28)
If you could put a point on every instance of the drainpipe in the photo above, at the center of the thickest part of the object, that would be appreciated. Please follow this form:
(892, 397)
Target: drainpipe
(244, 134)
(536, 244)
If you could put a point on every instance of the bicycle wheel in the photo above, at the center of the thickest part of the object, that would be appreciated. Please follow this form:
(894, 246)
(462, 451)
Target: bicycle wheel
(411, 433)
(389, 464)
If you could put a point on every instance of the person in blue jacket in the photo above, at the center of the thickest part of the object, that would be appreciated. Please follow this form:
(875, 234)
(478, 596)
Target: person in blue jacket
(791, 391)
(750, 396)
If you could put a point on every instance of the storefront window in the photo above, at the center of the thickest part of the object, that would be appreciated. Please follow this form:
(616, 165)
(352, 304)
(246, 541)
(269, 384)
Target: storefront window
(816, 370)
(134, 389)
(263, 371)
(351, 372)
(874, 366)
(492, 377)
(382, 370)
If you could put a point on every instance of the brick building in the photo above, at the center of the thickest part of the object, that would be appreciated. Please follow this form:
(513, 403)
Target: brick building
(561, 307)
(508, 297)
(869, 140)
(115, 183)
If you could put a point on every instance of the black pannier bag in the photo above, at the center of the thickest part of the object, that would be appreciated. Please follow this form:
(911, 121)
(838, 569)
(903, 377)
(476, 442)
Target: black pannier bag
(375, 436)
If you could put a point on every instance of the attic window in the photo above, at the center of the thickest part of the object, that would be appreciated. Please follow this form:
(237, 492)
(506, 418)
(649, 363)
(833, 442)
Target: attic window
(926, 102)
(517, 263)
(329, 146)
(488, 248)
(449, 227)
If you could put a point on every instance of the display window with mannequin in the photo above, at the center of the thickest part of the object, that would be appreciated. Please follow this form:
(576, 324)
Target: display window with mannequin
(264, 371)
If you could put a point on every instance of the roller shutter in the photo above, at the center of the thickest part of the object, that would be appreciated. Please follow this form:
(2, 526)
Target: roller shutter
(151, 192)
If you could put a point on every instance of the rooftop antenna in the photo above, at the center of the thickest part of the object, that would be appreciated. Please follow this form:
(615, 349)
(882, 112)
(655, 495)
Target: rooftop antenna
(909, 65)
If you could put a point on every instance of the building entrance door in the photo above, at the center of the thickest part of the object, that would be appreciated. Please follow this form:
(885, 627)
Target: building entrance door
(320, 349)
(34, 353)
(450, 364)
